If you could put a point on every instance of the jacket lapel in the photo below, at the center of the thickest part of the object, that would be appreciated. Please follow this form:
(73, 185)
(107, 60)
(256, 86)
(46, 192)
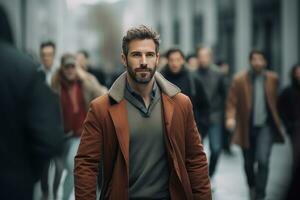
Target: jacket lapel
(118, 113)
(168, 110)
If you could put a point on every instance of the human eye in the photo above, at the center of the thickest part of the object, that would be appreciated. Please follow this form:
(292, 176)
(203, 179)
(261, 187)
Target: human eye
(150, 54)
(135, 54)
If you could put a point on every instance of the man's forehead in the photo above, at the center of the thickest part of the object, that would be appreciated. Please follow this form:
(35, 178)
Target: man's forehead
(142, 45)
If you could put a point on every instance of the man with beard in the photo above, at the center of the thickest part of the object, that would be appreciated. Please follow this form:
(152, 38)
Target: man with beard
(177, 73)
(145, 133)
(252, 113)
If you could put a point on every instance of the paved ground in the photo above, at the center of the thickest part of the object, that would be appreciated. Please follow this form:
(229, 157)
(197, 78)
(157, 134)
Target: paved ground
(230, 182)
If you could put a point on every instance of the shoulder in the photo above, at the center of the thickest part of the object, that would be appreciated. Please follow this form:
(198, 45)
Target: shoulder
(271, 75)
(240, 76)
(100, 102)
(183, 101)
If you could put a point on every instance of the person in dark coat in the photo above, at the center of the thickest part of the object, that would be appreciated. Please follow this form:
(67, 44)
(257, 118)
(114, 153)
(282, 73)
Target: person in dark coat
(31, 128)
(289, 110)
(215, 90)
(177, 73)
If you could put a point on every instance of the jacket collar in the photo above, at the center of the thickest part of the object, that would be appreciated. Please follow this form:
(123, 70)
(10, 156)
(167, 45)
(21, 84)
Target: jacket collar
(117, 89)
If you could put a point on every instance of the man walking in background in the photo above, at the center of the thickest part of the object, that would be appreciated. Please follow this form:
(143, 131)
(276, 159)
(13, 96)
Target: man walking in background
(47, 53)
(215, 91)
(252, 113)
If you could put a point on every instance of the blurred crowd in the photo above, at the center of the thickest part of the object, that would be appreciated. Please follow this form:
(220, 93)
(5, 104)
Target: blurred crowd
(43, 108)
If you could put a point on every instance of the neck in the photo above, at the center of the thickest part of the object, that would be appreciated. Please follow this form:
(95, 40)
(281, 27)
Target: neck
(143, 90)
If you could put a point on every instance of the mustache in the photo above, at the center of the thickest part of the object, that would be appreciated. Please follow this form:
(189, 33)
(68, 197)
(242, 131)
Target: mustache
(143, 69)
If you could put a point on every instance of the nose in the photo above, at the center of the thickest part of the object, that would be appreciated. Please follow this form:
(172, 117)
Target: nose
(143, 60)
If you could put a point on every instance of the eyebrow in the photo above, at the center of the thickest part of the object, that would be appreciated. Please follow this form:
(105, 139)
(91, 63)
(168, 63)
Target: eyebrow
(142, 52)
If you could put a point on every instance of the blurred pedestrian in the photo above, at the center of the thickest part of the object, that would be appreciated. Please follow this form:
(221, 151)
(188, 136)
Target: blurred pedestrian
(214, 88)
(31, 126)
(177, 73)
(223, 67)
(47, 53)
(76, 89)
(289, 109)
(83, 59)
(46, 71)
(145, 133)
(252, 114)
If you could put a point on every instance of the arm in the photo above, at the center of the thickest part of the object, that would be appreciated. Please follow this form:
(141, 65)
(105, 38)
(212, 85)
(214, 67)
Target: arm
(231, 104)
(196, 162)
(88, 157)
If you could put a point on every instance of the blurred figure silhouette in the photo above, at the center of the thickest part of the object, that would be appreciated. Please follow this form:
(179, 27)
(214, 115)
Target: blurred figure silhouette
(47, 53)
(77, 89)
(251, 111)
(223, 67)
(31, 128)
(289, 109)
(214, 88)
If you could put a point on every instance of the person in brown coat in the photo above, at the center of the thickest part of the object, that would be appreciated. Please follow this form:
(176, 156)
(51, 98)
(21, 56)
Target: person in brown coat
(252, 113)
(144, 132)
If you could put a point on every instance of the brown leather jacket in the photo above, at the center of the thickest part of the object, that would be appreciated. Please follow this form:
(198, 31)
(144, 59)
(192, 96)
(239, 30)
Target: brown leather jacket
(106, 137)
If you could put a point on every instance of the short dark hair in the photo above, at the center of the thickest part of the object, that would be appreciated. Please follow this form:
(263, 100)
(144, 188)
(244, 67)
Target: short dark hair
(47, 44)
(256, 51)
(188, 57)
(141, 32)
(174, 50)
(85, 53)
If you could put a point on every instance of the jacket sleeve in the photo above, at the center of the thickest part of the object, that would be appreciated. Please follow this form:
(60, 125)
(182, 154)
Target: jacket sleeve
(196, 161)
(231, 101)
(88, 157)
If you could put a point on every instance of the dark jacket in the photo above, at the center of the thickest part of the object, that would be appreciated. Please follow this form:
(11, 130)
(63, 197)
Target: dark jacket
(215, 90)
(106, 137)
(191, 86)
(30, 121)
(289, 108)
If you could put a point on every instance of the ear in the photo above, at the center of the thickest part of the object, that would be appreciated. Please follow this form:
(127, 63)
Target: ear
(157, 59)
(123, 59)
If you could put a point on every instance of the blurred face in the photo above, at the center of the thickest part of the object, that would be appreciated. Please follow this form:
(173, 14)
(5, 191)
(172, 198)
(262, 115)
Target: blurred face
(175, 62)
(47, 56)
(193, 62)
(204, 57)
(141, 61)
(69, 72)
(224, 68)
(297, 74)
(258, 62)
(82, 61)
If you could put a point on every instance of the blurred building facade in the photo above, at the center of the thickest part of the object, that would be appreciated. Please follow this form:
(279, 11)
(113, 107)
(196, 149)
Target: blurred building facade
(231, 27)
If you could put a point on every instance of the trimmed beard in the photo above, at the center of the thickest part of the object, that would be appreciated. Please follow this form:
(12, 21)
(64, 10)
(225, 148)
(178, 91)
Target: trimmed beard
(135, 78)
